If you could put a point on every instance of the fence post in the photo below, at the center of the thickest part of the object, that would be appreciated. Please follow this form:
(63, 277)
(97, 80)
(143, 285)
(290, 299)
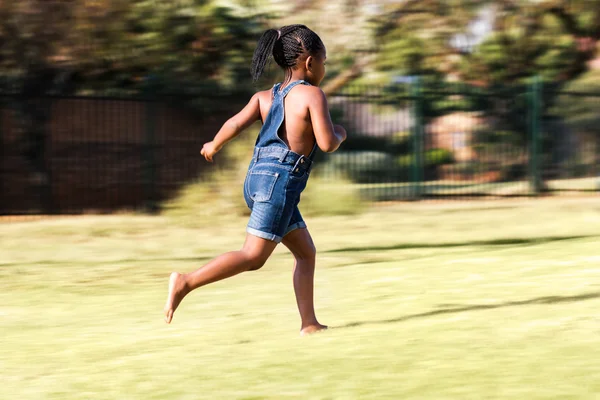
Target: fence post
(597, 169)
(149, 150)
(535, 94)
(2, 190)
(417, 142)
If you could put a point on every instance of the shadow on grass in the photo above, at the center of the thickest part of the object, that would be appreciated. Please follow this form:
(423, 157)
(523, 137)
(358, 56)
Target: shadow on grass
(102, 262)
(494, 242)
(477, 307)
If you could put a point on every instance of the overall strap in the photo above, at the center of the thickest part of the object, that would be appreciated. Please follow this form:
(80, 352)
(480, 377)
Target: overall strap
(275, 90)
(284, 92)
(312, 152)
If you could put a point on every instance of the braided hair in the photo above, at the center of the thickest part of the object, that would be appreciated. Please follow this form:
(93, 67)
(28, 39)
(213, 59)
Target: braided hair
(286, 45)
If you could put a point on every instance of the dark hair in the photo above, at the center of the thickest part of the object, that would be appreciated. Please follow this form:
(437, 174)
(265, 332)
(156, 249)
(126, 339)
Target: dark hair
(285, 45)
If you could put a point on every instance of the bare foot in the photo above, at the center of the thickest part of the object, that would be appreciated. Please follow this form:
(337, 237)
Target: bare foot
(313, 328)
(177, 291)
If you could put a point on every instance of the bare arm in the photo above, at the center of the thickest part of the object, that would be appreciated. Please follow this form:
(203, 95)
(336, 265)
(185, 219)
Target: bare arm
(233, 127)
(328, 136)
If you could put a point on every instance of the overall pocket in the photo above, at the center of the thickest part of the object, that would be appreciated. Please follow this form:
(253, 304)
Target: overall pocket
(260, 184)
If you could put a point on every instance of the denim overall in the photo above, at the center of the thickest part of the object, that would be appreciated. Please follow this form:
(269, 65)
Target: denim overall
(276, 177)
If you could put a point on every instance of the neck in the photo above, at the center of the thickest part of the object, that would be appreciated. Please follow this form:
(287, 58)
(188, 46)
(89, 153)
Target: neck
(295, 75)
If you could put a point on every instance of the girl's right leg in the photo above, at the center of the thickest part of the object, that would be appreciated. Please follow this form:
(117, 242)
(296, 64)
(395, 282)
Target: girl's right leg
(252, 256)
(301, 245)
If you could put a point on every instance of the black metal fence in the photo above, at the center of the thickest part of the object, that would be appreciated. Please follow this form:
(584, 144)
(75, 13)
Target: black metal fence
(70, 155)
(407, 141)
(410, 142)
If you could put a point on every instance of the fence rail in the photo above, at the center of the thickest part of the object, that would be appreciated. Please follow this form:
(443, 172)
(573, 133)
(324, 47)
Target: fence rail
(412, 142)
(406, 142)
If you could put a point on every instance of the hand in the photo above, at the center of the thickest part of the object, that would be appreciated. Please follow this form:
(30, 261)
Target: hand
(209, 150)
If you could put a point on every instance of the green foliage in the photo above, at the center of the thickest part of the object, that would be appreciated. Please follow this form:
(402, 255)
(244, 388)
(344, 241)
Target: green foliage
(363, 166)
(415, 35)
(219, 191)
(504, 59)
(432, 159)
(436, 98)
(435, 157)
(184, 47)
(403, 55)
(396, 144)
(490, 136)
(548, 38)
(579, 110)
(323, 197)
(379, 166)
(194, 48)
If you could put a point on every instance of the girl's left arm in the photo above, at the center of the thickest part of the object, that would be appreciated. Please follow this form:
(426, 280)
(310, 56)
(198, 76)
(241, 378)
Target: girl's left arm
(233, 127)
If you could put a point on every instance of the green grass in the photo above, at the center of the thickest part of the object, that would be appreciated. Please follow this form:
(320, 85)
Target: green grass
(483, 300)
(448, 188)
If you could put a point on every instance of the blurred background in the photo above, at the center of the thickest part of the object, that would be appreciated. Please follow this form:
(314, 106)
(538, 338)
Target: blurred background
(105, 104)
(457, 228)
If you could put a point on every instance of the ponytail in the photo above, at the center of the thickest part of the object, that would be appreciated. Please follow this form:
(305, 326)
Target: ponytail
(263, 53)
(285, 46)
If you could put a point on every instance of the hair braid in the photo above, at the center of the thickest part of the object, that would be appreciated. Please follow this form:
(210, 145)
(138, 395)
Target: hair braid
(286, 46)
(263, 52)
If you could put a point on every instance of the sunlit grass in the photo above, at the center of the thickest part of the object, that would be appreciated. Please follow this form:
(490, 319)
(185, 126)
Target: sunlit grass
(480, 300)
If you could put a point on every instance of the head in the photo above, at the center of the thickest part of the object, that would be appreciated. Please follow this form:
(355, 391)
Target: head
(294, 48)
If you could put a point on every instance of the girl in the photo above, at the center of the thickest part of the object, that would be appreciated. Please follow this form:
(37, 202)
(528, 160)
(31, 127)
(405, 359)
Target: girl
(295, 121)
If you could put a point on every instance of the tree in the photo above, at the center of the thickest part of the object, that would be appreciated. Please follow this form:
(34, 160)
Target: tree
(116, 46)
(554, 38)
(33, 35)
(578, 106)
(194, 48)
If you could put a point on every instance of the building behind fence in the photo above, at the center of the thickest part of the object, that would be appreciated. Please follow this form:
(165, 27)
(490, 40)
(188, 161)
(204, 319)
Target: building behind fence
(406, 141)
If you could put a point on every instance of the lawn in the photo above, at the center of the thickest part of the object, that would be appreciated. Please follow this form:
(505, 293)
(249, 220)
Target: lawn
(481, 300)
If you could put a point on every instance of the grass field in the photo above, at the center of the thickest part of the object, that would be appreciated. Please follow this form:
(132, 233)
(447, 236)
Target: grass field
(486, 300)
(404, 190)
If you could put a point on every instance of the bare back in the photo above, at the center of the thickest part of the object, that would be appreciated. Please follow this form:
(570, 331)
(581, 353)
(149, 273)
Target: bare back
(296, 130)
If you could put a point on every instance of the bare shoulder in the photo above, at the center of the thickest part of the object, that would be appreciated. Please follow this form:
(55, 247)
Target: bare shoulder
(310, 91)
(309, 94)
(263, 96)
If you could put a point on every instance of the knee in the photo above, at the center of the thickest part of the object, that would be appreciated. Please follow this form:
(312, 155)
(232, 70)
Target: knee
(308, 253)
(255, 261)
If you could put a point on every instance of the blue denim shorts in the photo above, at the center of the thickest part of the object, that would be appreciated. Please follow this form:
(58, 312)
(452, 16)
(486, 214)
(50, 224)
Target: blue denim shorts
(276, 178)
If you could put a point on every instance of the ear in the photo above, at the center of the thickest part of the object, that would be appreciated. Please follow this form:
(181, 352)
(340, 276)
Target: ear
(309, 63)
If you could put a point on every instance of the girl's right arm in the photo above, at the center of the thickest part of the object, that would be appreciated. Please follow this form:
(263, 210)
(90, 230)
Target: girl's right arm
(233, 127)
(328, 136)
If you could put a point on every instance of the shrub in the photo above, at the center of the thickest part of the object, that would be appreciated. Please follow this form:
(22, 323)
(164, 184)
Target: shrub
(361, 166)
(219, 193)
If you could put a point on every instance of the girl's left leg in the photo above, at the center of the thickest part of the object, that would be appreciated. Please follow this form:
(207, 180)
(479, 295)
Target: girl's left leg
(252, 256)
